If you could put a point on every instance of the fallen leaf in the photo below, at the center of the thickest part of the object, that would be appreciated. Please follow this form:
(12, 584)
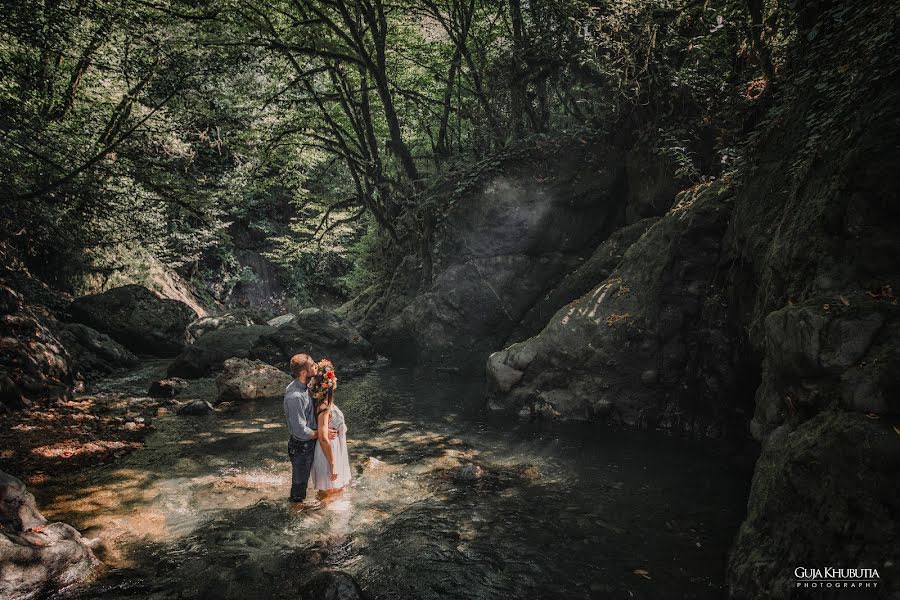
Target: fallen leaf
(873, 416)
(643, 573)
(844, 301)
(897, 430)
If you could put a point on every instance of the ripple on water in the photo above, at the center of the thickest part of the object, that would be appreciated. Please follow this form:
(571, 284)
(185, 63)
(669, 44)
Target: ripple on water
(475, 509)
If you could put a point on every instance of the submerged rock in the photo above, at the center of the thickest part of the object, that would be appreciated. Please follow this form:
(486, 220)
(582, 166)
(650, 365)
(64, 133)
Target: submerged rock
(195, 408)
(37, 558)
(469, 472)
(332, 585)
(243, 379)
(136, 318)
(166, 388)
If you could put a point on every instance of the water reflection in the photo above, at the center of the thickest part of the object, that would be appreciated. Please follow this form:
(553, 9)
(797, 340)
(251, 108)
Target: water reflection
(444, 503)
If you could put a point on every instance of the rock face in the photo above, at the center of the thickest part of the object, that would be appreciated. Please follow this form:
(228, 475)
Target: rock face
(820, 237)
(94, 353)
(243, 379)
(36, 558)
(649, 346)
(137, 318)
(598, 267)
(322, 334)
(496, 255)
(209, 352)
(824, 494)
(33, 362)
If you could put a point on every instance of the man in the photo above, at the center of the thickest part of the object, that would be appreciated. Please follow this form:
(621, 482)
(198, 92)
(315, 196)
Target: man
(299, 410)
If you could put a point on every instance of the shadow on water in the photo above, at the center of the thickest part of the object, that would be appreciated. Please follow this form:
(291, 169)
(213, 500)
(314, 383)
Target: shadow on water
(446, 503)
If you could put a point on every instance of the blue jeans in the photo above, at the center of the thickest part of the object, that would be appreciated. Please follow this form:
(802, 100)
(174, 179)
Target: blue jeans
(301, 455)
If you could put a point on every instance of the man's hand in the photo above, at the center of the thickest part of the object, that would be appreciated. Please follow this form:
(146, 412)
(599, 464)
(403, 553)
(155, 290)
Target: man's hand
(332, 433)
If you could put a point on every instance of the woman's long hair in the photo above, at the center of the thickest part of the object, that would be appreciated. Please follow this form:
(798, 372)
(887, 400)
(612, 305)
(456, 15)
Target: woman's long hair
(324, 397)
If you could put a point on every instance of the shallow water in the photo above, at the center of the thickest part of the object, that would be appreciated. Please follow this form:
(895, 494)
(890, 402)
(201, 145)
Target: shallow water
(447, 502)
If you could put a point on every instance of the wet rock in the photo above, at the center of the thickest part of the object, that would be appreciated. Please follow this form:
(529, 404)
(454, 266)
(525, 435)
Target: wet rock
(470, 472)
(234, 318)
(37, 558)
(332, 585)
(208, 353)
(34, 364)
(92, 352)
(137, 318)
(320, 333)
(823, 494)
(167, 388)
(243, 379)
(374, 463)
(195, 408)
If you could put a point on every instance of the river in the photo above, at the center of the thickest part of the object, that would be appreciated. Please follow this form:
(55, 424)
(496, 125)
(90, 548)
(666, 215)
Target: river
(447, 502)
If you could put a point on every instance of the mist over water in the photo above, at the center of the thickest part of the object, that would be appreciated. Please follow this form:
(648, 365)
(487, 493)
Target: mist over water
(446, 502)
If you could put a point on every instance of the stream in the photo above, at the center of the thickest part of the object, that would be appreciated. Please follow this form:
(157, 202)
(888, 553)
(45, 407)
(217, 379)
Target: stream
(447, 502)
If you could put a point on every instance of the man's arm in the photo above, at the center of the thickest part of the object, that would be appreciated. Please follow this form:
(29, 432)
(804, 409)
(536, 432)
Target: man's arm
(296, 415)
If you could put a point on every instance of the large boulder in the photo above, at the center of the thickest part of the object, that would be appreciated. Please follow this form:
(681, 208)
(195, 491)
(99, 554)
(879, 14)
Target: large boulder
(94, 353)
(208, 353)
(825, 494)
(320, 333)
(511, 232)
(576, 284)
(650, 345)
(34, 364)
(243, 379)
(37, 558)
(233, 318)
(137, 318)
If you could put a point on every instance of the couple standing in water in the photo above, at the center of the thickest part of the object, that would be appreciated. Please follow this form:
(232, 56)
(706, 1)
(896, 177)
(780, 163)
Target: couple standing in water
(318, 443)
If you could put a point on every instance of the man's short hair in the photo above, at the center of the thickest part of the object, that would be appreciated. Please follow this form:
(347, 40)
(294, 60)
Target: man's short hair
(300, 362)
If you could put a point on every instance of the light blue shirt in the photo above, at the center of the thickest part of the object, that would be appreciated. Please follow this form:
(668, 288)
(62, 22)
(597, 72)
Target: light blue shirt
(299, 411)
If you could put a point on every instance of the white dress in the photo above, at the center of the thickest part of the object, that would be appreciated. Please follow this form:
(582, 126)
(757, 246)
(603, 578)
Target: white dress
(321, 472)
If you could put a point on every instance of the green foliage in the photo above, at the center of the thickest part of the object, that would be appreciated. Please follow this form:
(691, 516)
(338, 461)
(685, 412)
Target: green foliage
(333, 135)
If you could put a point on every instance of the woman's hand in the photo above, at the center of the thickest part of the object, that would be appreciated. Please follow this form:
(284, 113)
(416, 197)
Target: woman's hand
(333, 474)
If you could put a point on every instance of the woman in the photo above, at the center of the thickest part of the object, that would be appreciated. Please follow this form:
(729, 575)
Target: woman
(331, 463)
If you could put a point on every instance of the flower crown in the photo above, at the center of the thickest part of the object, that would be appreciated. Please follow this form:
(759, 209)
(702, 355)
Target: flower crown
(328, 381)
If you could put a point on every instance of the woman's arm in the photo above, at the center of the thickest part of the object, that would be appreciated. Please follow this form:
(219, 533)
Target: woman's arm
(325, 443)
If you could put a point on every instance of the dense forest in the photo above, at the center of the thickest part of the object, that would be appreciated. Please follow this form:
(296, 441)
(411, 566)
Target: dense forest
(172, 131)
(668, 216)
